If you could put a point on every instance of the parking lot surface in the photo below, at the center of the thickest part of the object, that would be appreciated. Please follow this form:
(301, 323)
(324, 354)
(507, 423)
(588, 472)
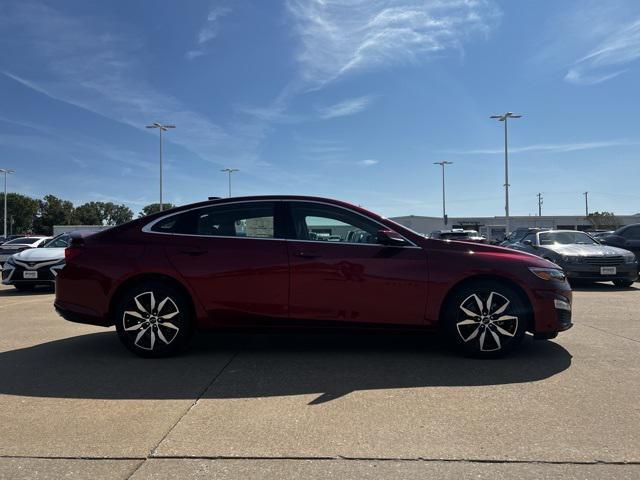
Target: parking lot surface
(75, 404)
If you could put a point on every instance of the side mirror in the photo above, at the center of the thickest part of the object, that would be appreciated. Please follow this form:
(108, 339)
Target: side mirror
(389, 237)
(528, 243)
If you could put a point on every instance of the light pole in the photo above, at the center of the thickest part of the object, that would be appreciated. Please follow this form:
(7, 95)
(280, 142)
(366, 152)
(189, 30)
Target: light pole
(444, 208)
(586, 203)
(161, 128)
(6, 172)
(230, 171)
(539, 204)
(504, 118)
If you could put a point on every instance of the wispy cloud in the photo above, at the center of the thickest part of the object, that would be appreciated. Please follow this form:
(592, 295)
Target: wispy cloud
(549, 147)
(610, 58)
(368, 162)
(84, 63)
(339, 37)
(208, 32)
(347, 107)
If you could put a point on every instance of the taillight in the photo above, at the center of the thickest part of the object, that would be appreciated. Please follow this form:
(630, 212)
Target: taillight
(74, 249)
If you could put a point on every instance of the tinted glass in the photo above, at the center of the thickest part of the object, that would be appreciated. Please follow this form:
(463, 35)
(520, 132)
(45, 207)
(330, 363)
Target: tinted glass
(530, 236)
(255, 220)
(331, 224)
(632, 233)
(179, 223)
(61, 241)
(566, 238)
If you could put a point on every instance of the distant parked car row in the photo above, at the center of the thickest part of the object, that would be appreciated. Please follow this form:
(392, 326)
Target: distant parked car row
(599, 256)
(458, 234)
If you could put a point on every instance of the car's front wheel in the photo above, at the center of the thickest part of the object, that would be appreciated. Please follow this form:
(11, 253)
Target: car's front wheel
(486, 318)
(154, 319)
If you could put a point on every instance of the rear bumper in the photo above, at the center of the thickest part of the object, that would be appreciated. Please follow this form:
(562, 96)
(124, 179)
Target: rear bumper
(79, 314)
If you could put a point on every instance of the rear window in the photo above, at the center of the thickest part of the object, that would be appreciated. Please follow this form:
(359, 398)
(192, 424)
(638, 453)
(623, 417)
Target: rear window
(180, 223)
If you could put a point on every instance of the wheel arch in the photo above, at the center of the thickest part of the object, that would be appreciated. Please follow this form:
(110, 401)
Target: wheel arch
(493, 278)
(152, 277)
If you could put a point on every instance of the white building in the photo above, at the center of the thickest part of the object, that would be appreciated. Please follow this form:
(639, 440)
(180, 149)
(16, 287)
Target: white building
(493, 227)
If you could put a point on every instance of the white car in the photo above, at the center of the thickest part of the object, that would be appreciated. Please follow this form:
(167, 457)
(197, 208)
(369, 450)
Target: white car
(36, 266)
(18, 244)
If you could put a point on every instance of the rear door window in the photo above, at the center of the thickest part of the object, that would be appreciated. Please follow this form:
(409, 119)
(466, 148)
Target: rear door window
(249, 220)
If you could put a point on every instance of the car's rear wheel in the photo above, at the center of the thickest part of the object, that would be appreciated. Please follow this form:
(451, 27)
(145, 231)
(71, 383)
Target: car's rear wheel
(623, 283)
(154, 319)
(486, 319)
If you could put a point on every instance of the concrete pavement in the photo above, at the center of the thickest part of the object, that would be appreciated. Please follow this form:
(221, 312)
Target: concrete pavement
(75, 404)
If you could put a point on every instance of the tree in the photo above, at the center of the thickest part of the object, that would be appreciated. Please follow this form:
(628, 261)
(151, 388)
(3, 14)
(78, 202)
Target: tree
(91, 213)
(154, 208)
(116, 214)
(52, 211)
(604, 220)
(101, 213)
(21, 210)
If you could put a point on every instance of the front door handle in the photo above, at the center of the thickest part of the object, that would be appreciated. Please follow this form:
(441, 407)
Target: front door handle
(307, 254)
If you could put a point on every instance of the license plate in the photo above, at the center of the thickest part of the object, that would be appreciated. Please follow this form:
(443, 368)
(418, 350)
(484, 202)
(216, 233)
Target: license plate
(608, 270)
(30, 275)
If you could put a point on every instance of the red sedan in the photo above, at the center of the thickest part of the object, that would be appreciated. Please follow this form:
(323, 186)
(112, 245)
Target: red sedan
(284, 261)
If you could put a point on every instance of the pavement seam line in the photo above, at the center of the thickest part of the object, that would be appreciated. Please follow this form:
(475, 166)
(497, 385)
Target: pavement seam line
(195, 402)
(328, 458)
(23, 303)
(608, 332)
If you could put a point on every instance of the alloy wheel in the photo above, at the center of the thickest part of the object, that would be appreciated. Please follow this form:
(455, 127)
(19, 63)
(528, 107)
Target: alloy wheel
(150, 323)
(485, 319)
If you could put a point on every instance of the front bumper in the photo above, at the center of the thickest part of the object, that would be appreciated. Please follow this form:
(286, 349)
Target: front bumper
(13, 274)
(593, 273)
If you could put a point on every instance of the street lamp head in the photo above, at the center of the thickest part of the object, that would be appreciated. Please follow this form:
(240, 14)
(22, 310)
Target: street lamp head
(443, 163)
(502, 118)
(160, 126)
(229, 170)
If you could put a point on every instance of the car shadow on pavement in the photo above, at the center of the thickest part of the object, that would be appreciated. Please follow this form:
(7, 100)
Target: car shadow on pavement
(14, 292)
(603, 287)
(329, 366)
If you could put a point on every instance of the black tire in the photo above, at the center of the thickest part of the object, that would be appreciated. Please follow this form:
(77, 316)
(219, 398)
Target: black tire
(24, 287)
(147, 331)
(623, 283)
(480, 333)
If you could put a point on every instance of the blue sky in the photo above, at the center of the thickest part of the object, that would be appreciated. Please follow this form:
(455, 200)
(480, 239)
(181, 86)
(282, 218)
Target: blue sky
(350, 99)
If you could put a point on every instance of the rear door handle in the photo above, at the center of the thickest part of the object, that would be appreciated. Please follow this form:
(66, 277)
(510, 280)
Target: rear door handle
(193, 251)
(307, 254)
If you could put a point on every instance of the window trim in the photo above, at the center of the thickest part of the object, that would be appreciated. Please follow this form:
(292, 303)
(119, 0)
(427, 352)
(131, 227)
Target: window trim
(147, 228)
(288, 221)
(323, 242)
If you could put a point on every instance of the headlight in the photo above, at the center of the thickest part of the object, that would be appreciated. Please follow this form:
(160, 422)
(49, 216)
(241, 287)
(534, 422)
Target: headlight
(629, 258)
(10, 261)
(571, 259)
(548, 273)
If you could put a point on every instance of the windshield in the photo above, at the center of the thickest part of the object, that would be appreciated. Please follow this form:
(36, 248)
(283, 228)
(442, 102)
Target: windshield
(23, 241)
(61, 241)
(566, 238)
